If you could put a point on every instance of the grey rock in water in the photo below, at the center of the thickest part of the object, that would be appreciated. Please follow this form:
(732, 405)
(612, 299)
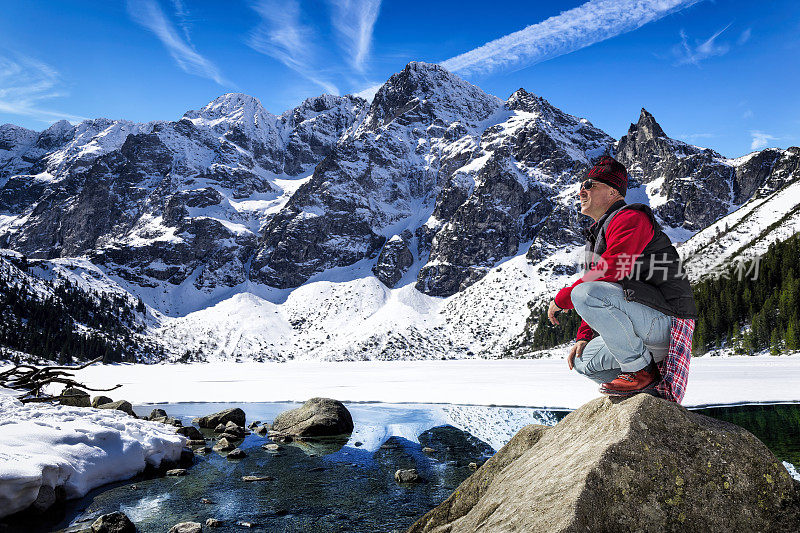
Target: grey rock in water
(235, 415)
(272, 447)
(318, 417)
(235, 429)
(190, 432)
(641, 463)
(251, 479)
(187, 457)
(237, 453)
(75, 397)
(117, 522)
(156, 413)
(100, 400)
(409, 475)
(223, 445)
(187, 527)
(219, 428)
(177, 472)
(213, 522)
(120, 405)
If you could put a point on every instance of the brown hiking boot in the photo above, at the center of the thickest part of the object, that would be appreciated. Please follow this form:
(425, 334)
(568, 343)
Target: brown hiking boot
(628, 383)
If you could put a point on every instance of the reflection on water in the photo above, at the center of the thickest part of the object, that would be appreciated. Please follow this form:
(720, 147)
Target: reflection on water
(778, 426)
(351, 487)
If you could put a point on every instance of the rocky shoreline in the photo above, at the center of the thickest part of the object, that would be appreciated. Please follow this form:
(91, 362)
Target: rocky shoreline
(639, 461)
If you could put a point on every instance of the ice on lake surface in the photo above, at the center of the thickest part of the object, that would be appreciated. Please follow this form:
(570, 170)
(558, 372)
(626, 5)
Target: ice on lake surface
(350, 486)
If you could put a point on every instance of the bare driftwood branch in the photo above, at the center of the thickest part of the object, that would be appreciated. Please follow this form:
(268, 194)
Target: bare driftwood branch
(33, 380)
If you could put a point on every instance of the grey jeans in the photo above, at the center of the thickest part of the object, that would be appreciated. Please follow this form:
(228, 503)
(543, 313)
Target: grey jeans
(630, 334)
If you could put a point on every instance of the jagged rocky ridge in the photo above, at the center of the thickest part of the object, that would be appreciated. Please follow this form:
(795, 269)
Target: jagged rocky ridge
(435, 189)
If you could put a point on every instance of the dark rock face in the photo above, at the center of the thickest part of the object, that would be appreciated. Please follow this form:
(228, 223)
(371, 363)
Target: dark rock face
(487, 227)
(641, 460)
(393, 261)
(234, 415)
(318, 417)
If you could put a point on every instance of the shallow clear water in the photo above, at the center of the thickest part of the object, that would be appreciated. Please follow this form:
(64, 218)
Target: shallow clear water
(349, 486)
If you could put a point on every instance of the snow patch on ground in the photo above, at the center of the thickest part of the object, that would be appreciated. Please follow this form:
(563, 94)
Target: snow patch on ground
(77, 448)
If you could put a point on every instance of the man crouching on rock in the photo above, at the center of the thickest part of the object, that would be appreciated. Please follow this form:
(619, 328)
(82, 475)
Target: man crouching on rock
(632, 285)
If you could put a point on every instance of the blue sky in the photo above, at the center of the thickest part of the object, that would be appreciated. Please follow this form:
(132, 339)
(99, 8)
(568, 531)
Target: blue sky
(722, 74)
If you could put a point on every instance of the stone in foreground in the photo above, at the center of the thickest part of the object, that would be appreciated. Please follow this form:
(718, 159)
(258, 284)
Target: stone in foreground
(234, 415)
(638, 464)
(318, 417)
(117, 522)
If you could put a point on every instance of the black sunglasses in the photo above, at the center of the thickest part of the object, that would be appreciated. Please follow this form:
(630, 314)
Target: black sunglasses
(588, 184)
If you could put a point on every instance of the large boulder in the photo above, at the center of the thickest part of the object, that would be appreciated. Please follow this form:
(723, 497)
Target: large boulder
(120, 405)
(638, 464)
(75, 397)
(234, 415)
(318, 417)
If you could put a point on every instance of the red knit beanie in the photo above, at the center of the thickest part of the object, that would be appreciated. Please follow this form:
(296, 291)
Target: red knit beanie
(611, 172)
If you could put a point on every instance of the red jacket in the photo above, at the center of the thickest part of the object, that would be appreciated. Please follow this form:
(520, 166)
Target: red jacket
(626, 237)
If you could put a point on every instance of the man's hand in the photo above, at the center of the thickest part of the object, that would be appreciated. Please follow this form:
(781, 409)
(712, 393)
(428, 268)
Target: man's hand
(551, 313)
(577, 349)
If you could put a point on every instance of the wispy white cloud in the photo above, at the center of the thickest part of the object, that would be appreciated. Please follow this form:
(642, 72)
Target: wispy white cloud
(148, 13)
(744, 37)
(587, 24)
(693, 137)
(761, 139)
(688, 54)
(282, 35)
(25, 84)
(354, 21)
(748, 113)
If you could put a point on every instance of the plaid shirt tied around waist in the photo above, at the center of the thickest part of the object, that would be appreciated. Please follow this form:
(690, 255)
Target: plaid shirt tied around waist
(675, 366)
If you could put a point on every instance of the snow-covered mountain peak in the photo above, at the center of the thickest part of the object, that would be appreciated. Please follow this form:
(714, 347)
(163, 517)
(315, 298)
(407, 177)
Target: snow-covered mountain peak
(522, 100)
(12, 136)
(56, 135)
(424, 92)
(234, 109)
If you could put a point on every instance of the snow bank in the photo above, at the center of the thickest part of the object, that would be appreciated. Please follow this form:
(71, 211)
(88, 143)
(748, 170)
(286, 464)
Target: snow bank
(79, 448)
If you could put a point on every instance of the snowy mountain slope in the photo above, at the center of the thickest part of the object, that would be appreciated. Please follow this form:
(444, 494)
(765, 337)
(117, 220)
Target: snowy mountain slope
(418, 226)
(743, 234)
(156, 202)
